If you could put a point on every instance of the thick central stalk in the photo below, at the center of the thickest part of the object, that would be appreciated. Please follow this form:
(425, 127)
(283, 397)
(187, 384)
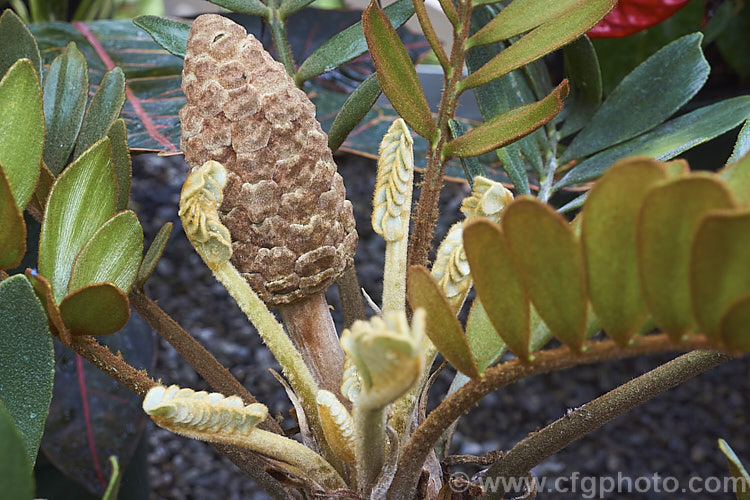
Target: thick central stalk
(310, 326)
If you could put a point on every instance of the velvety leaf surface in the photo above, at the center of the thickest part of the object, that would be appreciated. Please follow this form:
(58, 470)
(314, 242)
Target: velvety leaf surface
(736, 468)
(66, 90)
(737, 177)
(669, 216)
(153, 95)
(12, 227)
(396, 73)
(668, 139)
(16, 472)
(645, 98)
(521, 16)
(542, 40)
(485, 344)
(289, 7)
(582, 70)
(359, 103)
(154, 253)
(21, 129)
(498, 285)
(103, 109)
(509, 126)
(349, 43)
(550, 262)
(608, 234)
(113, 254)
(81, 200)
(17, 43)
(719, 270)
(632, 16)
(170, 34)
(43, 291)
(118, 140)
(92, 416)
(27, 363)
(442, 326)
(733, 326)
(95, 309)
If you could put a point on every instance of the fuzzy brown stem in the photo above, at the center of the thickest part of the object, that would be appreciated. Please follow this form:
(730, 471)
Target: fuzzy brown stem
(455, 405)
(3, 275)
(207, 366)
(139, 382)
(427, 209)
(310, 326)
(352, 306)
(589, 417)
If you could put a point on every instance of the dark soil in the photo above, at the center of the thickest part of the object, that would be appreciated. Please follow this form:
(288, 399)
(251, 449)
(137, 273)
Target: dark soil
(673, 435)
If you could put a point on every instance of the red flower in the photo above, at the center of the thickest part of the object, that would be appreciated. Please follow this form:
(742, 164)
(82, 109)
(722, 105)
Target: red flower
(632, 16)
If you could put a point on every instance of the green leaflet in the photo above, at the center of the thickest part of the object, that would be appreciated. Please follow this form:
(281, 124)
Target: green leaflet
(95, 309)
(12, 227)
(118, 139)
(442, 326)
(498, 284)
(669, 216)
(549, 260)
(27, 361)
(719, 256)
(82, 198)
(66, 90)
(508, 126)
(733, 326)
(519, 17)
(16, 475)
(354, 109)
(112, 254)
(485, 344)
(154, 253)
(396, 73)
(171, 35)
(17, 43)
(650, 94)
(103, 110)
(737, 177)
(546, 38)
(21, 130)
(742, 146)
(348, 44)
(610, 217)
(667, 140)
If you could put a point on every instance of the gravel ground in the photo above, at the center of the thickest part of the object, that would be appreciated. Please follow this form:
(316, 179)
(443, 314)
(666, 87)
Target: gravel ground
(672, 435)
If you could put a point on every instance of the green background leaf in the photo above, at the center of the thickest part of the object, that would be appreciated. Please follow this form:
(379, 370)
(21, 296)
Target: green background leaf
(737, 470)
(582, 70)
(27, 363)
(645, 98)
(737, 177)
(355, 108)
(170, 34)
(667, 140)
(154, 253)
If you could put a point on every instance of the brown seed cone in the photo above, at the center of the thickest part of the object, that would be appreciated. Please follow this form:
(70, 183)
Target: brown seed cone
(284, 204)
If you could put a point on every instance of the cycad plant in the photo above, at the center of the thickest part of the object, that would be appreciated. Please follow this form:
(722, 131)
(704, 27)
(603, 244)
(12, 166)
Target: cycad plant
(655, 259)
